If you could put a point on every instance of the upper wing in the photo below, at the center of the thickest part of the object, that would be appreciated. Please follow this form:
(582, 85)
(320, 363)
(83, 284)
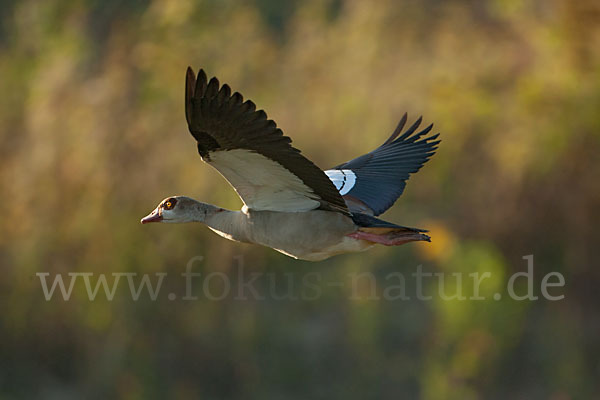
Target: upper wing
(372, 182)
(251, 152)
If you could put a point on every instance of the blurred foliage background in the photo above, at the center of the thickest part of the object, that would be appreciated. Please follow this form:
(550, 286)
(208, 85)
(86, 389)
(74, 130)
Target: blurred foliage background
(94, 136)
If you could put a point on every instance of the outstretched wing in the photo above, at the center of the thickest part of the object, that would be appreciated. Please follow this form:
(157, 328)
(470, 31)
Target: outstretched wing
(252, 153)
(372, 182)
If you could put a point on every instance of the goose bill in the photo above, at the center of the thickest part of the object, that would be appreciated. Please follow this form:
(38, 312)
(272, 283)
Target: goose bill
(154, 216)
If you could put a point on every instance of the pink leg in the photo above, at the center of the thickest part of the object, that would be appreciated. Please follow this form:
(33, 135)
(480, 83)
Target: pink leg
(390, 239)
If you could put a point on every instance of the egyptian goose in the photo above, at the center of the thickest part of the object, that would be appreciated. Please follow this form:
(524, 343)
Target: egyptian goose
(290, 204)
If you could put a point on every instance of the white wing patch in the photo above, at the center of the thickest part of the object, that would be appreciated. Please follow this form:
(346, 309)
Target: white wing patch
(343, 179)
(263, 184)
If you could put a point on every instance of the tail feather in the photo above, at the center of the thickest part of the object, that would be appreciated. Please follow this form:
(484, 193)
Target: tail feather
(376, 230)
(389, 238)
(365, 221)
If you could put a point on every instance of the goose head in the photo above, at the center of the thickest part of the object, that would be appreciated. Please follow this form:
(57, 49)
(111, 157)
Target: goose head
(176, 209)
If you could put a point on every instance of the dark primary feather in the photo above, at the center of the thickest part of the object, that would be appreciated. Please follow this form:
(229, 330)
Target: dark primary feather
(221, 121)
(381, 175)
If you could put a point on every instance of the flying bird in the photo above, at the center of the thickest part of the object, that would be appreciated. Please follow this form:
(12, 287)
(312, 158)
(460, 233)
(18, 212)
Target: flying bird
(290, 204)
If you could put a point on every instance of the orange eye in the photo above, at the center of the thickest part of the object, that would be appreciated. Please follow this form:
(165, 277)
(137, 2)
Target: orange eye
(169, 204)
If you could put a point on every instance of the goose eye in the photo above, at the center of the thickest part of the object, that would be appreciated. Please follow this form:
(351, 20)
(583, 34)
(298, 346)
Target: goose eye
(169, 204)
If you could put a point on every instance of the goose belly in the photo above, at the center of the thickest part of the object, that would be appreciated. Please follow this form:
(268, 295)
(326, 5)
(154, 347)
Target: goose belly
(346, 245)
(313, 235)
